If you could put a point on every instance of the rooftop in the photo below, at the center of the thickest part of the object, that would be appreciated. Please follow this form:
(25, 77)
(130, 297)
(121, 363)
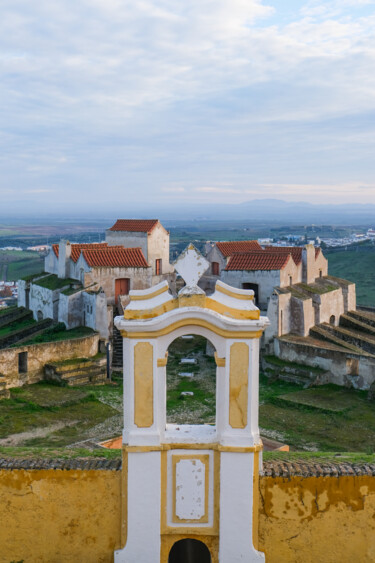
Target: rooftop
(257, 261)
(77, 248)
(115, 257)
(135, 225)
(227, 248)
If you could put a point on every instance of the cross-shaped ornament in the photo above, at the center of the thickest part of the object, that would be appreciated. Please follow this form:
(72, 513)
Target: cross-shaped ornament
(191, 266)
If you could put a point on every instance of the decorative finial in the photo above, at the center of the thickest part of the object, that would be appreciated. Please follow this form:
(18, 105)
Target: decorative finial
(191, 265)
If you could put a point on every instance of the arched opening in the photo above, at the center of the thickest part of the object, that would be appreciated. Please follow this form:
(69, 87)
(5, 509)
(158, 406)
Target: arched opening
(189, 551)
(332, 320)
(191, 381)
(255, 288)
(39, 315)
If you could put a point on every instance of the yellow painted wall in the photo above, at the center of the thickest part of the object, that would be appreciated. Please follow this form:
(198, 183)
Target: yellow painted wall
(317, 519)
(55, 516)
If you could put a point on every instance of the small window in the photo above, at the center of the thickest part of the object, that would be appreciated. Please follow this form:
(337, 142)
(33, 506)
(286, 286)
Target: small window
(39, 315)
(88, 308)
(22, 362)
(215, 268)
(290, 280)
(158, 267)
(332, 320)
(320, 273)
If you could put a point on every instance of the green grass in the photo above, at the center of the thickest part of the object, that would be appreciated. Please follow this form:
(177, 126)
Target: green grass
(357, 265)
(54, 282)
(57, 453)
(57, 333)
(16, 325)
(306, 419)
(16, 264)
(278, 362)
(55, 416)
(320, 457)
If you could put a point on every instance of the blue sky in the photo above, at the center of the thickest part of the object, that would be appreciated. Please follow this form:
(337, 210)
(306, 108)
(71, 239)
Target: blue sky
(112, 103)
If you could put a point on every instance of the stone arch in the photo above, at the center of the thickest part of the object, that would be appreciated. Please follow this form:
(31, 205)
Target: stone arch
(39, 315)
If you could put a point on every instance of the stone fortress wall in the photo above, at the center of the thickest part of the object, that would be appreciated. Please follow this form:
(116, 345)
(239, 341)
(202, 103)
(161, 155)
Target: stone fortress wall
(70, 510)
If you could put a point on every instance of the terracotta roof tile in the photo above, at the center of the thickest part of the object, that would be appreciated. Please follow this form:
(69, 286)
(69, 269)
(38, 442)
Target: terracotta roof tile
(115, 257)
(76, 249)
(257, 261)
(229, 247)
(295, 251)
(134, 225)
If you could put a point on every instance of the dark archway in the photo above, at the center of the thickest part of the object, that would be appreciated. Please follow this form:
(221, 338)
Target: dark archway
(189, 551)
(332, 320)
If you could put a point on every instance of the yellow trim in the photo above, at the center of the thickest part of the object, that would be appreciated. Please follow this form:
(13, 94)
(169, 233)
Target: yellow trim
(144, 314)
(149, 295)
(193, 322)
(220, 362)
(162, 362)
(238, 384)
(143, 385)
(256, 494)
(195, 300)
(205, 459)
(233, 293)
(232, 313)
(214, 446)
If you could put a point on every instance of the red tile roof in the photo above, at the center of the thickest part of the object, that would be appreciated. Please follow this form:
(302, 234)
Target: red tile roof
(257, 261)
(115, 257)
(134, 225)
(76, 249)
(230, 247)
(295, 251)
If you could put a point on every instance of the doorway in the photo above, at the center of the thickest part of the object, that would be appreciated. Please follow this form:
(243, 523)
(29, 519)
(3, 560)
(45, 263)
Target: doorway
(189, 551)
(255, 288)
(122, 286)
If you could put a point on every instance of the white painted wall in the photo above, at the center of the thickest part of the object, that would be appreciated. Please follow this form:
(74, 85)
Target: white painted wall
(266, 280)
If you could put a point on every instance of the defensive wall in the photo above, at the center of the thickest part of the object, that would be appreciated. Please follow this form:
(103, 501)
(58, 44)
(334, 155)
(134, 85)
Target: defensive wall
(40, 354)
(70, 510)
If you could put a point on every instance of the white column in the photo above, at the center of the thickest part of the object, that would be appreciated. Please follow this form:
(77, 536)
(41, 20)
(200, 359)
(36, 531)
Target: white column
(143, 510)
(236, 509)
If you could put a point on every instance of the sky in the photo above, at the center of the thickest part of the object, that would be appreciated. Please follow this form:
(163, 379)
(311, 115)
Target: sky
(125, 104)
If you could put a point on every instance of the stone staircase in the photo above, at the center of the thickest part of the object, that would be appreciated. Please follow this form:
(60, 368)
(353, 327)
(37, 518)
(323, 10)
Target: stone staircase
(355, 333)
(14, 314)
(117, 359)
(300, 375)
(80, 371)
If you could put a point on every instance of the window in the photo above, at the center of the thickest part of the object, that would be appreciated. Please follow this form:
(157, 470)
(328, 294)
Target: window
(22, 362)
(290, 280)
(215, 268)
(158, 266)
(320, 273)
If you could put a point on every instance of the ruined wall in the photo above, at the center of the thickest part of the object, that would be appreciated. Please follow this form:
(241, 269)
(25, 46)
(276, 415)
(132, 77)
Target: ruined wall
(44, 300)
(339, 364)
(70, 311)
(314, 518)
(70, 510)
(329, 305)
(40, 354)
(303, 316)
(95, 312)
(51, 263)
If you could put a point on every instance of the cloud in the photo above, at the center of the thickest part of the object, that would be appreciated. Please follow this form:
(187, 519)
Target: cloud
(131, 97)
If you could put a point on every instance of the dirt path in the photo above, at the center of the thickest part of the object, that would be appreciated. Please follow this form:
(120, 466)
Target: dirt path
(16, 439)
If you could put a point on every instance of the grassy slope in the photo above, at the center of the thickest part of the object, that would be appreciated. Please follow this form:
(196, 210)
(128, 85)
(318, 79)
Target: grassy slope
(357, 266)
(19, 264)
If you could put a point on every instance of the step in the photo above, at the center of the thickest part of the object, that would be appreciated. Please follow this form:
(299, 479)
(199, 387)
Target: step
(363, 316)
(81, 373)
(322, 334)
(350, 322)
(60, 368)
(360, 340)
(14, 316)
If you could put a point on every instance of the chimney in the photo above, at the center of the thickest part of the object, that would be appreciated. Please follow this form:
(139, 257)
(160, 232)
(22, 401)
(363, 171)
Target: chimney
(65, 251)
(308, 264)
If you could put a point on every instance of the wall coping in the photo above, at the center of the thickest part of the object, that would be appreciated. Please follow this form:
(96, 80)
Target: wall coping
(275, 468)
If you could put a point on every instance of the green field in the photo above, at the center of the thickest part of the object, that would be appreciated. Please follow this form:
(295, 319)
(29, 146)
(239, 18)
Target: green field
(15, 264)
(357, 265)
